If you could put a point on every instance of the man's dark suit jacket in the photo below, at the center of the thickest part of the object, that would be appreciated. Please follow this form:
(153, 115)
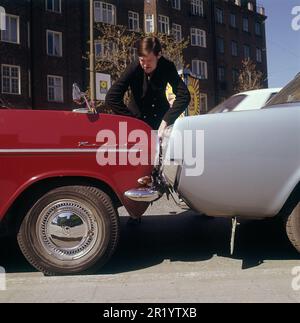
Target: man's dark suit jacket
(148, 100)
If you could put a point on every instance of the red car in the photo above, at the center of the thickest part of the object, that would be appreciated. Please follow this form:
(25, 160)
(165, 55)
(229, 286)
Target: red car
(54, 194)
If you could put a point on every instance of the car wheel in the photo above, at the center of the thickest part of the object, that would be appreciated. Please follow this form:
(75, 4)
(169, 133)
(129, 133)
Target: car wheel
(293, 227)
(70, 230)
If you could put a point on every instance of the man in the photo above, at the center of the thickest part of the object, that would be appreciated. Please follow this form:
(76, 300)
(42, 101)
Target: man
(147, 79)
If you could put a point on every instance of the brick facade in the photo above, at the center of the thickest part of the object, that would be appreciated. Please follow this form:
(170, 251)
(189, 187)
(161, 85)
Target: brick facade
(73, 24)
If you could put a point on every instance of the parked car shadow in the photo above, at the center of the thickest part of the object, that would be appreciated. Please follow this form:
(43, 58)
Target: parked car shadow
(11, 257)
(191, 238)
(185, 237)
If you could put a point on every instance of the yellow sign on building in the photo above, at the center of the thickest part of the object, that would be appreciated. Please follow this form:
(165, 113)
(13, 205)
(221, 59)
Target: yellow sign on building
(194, 88)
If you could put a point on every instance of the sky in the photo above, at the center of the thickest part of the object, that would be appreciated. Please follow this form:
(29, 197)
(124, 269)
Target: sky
(283, 42)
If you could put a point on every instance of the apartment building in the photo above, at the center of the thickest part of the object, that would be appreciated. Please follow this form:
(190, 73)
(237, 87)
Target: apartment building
(221, 32)
(43, 47)
(41, 53)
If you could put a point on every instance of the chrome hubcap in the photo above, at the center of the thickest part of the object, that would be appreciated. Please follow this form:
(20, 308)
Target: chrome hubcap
(67, 229)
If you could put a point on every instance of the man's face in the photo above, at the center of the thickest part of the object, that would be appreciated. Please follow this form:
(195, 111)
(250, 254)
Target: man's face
(149, 62)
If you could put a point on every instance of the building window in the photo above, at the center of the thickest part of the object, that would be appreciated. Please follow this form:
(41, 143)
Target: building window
(247, 52)
(104, 49)
(177, 32)
(163, 24)
(221, 45)
(53, 5)
(134, 54)
(197, 7)
(221, 74)
(235, 76)
(258, 55)
(219, 16)
(99, 49)
(198, 37)
(133, 21)
(149, 23)
(199, 68)
(176, 4)
(12, 32)
(246, 24)
(105, 12)
(232, 20)
(234, 48)
(55, 88)
(54, 43)
(11, 79)
(203, 103)
(258, 29)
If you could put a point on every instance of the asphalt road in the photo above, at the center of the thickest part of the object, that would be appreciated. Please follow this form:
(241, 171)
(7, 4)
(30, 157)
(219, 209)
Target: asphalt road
(173, 256)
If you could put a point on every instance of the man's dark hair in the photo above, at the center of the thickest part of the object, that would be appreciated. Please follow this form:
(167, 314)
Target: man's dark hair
(149, 45)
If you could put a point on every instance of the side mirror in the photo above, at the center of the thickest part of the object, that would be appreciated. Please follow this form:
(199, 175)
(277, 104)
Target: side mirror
(80, 98)
(77, 94)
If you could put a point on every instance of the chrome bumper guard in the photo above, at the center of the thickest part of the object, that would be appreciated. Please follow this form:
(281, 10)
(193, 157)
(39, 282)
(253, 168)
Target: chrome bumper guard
(144, 194)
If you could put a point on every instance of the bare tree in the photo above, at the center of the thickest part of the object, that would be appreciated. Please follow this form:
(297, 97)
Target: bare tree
(250, 78)
(118, 50)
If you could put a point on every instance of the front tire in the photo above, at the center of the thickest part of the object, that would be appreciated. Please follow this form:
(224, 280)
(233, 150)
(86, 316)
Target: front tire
(293, 227)
(70, 230)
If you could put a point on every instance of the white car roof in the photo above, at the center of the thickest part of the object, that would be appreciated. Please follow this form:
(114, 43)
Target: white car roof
(260, 91)
(255, 99)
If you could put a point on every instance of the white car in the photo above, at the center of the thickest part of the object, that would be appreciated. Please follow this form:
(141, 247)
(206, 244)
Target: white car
(236, 165)
(251, 100)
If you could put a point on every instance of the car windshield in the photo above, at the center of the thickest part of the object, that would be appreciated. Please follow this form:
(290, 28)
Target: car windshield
(229, 105)
(289, 94)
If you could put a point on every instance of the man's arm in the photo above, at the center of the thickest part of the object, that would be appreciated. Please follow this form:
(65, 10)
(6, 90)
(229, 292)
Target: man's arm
(115, 96)
(183, 97)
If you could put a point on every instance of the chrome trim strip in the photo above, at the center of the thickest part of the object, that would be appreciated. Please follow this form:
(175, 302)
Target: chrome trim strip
(20, 151)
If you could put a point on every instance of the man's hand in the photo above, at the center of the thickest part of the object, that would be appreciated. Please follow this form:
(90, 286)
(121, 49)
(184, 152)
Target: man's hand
(162, 129)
